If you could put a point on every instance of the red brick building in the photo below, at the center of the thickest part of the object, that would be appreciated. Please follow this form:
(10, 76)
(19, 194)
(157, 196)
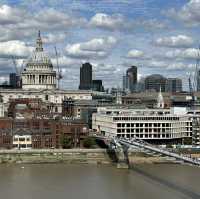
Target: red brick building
(45, 133)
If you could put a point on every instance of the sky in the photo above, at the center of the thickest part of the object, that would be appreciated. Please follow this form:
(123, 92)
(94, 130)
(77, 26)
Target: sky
(157, 36)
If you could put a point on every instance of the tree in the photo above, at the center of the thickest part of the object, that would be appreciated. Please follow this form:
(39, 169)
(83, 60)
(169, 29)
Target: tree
(89, 142)
(66, 142)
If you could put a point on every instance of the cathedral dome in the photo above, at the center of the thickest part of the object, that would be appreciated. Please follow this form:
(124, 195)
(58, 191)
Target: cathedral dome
(39, 72)
(39, 56)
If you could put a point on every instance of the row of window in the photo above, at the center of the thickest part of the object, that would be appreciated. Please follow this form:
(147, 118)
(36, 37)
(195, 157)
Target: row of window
(143, 124)
(143, 130)
(147, 135)
(146, 118)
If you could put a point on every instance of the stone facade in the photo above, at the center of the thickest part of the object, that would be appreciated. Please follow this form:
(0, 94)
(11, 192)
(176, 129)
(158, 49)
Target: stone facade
(39, 73)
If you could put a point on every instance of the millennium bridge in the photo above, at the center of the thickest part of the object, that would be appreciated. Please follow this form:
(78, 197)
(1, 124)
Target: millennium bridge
(120, 143)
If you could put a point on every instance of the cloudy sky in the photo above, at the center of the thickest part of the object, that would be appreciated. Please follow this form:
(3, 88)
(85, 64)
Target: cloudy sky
(157, 36)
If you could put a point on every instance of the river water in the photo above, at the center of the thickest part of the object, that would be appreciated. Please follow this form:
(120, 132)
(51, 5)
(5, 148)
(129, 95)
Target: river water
(60, 181)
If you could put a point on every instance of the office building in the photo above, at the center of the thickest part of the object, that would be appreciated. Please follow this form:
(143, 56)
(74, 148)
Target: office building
(130, 80)
(85, 77)
(173, 85)
(158, 126)
(15, 80)
(155, 82)
(97, 85)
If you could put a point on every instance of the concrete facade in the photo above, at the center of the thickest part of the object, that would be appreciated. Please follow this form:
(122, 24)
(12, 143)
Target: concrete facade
(159, 125)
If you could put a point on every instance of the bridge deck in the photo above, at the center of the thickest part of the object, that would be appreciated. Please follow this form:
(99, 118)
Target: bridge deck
(141, 144)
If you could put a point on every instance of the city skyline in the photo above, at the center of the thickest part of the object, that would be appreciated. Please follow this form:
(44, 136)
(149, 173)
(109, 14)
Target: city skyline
(158, 37)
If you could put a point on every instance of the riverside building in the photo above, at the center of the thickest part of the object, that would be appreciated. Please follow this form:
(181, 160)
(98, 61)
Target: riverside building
(153, 125)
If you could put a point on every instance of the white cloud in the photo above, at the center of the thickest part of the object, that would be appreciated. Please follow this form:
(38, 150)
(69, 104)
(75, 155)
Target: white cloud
(14, 48)
(189, 13)
(10, 15)
(119, 22)
(51, 19)
(111, 22)
(66, 62)
(54, 38)
(95, 48)
(150, 24)
(190, 53)
(178, 41)
(135, 54)
(17, 23)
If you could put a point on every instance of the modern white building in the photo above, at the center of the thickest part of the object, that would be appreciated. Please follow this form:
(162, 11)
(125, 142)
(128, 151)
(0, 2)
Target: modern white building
(148, 124)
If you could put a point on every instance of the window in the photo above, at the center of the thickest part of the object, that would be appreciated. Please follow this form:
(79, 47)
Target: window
(119, 125)
(46, 97)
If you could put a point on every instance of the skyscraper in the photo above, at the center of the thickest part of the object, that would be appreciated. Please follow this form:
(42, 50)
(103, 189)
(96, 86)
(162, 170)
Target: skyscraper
(198, 80)
(174, 85)
(130, 79)
(85, 76)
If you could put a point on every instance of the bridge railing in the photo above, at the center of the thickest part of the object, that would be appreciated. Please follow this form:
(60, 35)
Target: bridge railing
(142, 144)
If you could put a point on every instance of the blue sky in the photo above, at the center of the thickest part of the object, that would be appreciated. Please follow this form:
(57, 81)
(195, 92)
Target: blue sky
(157, 36)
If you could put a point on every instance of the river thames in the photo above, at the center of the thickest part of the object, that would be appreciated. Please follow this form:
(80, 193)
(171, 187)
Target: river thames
(59, 181)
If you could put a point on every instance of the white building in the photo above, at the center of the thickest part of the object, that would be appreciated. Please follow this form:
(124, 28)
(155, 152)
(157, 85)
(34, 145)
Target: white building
(148, 124)
(22, 141)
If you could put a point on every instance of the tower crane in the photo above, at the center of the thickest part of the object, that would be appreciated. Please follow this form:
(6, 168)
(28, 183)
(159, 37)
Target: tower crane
(59, 75)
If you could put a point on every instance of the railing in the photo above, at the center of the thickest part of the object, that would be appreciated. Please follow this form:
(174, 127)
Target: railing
(142, 144)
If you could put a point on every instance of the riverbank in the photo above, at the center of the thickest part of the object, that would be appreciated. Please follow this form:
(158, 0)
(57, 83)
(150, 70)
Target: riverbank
(86, 156)
(79, 156)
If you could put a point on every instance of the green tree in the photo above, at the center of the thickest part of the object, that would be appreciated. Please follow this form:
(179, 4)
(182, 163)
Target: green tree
(89, 142)
(66, 142)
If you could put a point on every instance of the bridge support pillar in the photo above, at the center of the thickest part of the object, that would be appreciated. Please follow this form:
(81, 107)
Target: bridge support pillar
(122, 157)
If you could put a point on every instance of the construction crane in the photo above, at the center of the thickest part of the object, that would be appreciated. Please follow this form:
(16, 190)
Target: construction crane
(59, 75)
(191, 88)
(18, 71)
(197, 80)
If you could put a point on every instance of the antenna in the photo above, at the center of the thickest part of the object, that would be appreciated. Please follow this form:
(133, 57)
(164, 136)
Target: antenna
(59, 73)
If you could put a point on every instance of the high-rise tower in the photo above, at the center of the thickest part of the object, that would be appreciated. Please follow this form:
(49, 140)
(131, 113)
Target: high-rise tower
(131, 78)
(86, 77)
